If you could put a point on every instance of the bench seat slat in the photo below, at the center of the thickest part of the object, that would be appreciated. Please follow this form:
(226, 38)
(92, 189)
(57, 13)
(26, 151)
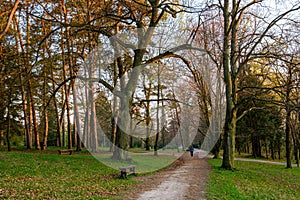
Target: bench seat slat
(63, 152)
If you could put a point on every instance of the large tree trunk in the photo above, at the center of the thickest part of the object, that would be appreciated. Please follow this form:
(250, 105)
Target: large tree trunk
(128, 86)
(127, 89)
(121, 150)
(230, 70)
(229, 121)
(256, 145)
(229, 139)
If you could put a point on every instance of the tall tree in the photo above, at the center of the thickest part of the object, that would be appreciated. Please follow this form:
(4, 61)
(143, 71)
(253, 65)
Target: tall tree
(235, 57)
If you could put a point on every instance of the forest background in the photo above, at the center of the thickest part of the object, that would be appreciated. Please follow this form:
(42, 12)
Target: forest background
(236, 62)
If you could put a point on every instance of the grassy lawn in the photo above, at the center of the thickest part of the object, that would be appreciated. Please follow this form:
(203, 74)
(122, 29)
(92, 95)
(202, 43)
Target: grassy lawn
(35, 175)
(144, 162)
(253, 181)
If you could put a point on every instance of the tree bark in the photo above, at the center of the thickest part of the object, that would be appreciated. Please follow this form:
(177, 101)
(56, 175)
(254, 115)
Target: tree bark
(157, 113)
(35, 126)
(230, 119)
(288, 120)
(77, 120)
(45, 113)
(8, 125)
(19, 43)
(58, 124)
(10, 18)
(93, 119)
(66, 87)
(147, 92)
(288, 139)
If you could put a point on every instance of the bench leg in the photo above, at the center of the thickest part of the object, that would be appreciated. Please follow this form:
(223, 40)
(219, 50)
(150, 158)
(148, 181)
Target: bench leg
(123, 174)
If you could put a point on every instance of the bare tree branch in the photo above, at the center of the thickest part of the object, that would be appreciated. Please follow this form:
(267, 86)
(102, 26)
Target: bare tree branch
(10, 18)
(247, 111)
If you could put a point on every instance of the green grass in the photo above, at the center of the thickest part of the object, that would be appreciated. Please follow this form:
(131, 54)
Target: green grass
(144, 163)
(250, 156)
(32, 174)
(35, 175)
(253, 181)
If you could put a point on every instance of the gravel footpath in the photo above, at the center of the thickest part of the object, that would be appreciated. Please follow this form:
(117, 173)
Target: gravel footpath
(184, 179)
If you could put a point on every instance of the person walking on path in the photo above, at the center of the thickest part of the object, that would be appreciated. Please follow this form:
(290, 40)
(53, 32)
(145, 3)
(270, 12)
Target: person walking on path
(191, 150)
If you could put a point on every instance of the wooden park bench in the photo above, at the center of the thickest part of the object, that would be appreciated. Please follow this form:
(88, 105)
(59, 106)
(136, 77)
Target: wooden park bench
(125, 171)
(65, 152)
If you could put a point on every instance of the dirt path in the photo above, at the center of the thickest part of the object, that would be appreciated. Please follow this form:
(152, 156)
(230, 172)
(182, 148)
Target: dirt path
(185, 179)
(262, 161)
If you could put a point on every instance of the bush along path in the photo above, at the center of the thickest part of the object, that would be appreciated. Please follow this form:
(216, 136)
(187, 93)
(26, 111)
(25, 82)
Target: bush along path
(185, 179)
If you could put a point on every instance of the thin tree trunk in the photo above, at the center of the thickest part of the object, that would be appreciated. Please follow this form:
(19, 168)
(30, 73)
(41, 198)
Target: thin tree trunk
(218, 112)
(35, 126)
(272, 149)
(30, 127)
(93, 119)
(288, 121)
(46, 123)
(148, 117)
(27, 135)
(115, 99)
(8, 126)
(113, 129)
(178, 122)
(157, 113)
(66, 100)
(19, 43)
(74, 92)
(121, 150)
(58, 124)
(30, 92)
(63, 133)
(288, 138)
(298, 153)
(46, 130)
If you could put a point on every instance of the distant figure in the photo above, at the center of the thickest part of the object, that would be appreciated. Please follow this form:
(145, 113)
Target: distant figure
(192, 150)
